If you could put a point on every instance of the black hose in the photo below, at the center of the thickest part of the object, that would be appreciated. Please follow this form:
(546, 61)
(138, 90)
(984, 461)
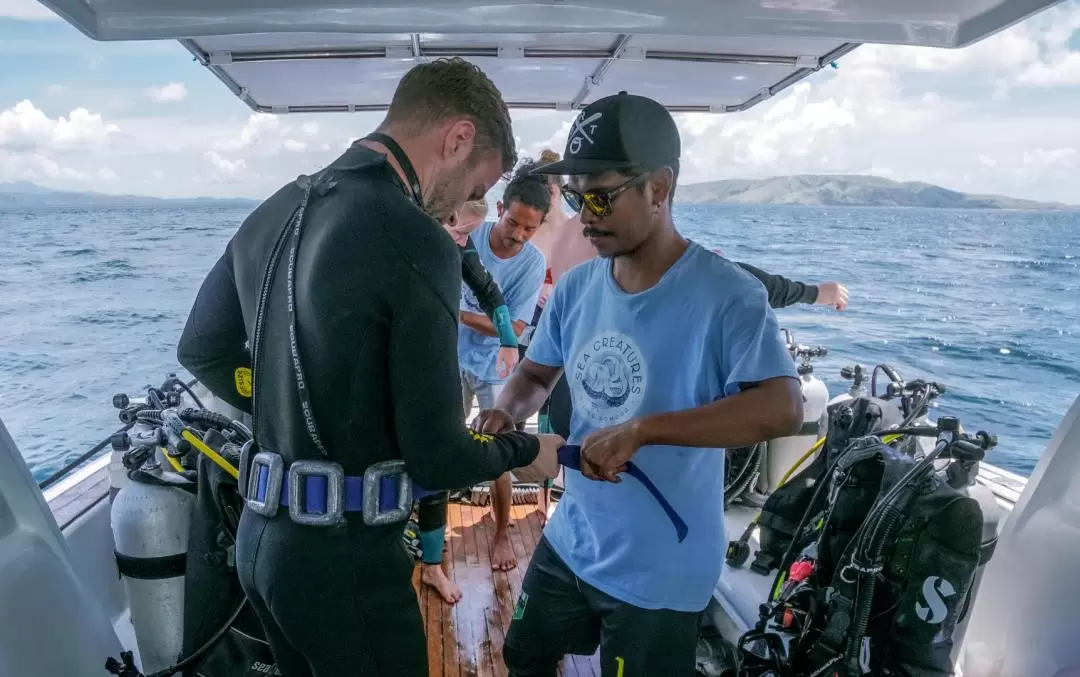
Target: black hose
(746, 477)
(56, 476)
(189, 391)
(214, 420)
(149, 416)
(201, 651)
(864, 602)
(151, 394)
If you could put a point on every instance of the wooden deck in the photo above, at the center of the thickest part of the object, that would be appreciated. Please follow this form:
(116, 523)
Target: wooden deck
(465, 640)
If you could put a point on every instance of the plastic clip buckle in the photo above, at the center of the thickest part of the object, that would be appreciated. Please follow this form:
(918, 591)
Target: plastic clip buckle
(373, 489)
(335, 493)
(275, 475)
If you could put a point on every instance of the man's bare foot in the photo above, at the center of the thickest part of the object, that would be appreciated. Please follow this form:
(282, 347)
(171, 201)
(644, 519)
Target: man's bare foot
(433, 575)
(502, 553)
(543, 500)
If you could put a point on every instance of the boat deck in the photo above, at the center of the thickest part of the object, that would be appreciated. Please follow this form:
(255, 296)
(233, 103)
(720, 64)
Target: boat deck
(465, 639)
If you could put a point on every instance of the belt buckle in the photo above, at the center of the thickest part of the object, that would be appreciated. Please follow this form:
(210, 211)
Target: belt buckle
(335, 493)
(372, 493)
(245, 465)
(275, 475)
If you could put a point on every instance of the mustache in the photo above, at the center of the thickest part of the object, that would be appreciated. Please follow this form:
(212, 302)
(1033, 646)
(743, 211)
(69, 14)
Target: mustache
(595, 232)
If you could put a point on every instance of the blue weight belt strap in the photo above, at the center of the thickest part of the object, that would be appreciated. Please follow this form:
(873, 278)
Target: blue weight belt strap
(315, 492)
(570, 457)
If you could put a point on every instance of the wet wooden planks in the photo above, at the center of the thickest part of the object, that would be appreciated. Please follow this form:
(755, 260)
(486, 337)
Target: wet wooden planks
(465, 640)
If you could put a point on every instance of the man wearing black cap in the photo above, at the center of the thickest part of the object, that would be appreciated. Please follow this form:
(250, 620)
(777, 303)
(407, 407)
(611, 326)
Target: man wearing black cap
(672, 354)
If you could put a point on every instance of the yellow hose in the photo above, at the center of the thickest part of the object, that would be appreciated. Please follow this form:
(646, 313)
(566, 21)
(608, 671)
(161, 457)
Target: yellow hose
(802, 459)
(201, 447)
(172, 461)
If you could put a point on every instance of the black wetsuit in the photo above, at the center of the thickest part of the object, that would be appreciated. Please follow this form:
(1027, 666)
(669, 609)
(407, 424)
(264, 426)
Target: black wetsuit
(431, 511)
(782, 293)
(477, 278)
(377, 291)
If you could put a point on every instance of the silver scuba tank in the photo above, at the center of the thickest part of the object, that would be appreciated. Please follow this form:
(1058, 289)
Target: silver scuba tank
(993, 515)
(783, 453)
(151, 519)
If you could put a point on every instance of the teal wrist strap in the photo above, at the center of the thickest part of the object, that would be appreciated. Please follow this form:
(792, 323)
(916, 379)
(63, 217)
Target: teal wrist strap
(504, 327)
(431, 545)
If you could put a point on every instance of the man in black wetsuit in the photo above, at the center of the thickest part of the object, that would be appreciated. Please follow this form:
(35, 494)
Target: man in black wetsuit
(432, 509)
(346, 289)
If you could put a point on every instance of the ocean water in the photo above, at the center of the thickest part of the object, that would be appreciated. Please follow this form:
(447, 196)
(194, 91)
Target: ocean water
(92, 303)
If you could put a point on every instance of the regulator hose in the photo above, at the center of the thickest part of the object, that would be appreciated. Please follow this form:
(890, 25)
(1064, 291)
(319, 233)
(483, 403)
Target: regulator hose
(125, 667)
(746, 476)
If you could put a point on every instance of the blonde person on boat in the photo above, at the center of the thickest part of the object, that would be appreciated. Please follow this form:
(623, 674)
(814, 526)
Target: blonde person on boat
(672, 354)
(356, 383)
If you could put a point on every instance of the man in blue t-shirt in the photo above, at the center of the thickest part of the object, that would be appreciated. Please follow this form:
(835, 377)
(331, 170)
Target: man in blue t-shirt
(672, 354)
(518, 268)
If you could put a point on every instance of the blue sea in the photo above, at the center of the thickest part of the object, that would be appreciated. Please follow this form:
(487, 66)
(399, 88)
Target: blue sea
(92, 303)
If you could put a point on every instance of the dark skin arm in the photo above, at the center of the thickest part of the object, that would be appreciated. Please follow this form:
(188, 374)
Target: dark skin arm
(214, 343)
(527, 389)
(761, 411)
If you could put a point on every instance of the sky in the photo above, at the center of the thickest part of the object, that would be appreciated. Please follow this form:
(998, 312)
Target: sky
(1002, 116)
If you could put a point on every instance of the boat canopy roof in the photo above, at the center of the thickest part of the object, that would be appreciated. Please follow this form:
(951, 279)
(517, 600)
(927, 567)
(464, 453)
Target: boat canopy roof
(720, 56)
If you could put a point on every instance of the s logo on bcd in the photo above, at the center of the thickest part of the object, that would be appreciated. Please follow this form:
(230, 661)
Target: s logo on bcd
(935, 590)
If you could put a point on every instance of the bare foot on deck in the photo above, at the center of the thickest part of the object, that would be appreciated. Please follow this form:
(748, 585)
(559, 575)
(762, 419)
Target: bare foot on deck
(543, 500)
(502, 553)
(433, 575)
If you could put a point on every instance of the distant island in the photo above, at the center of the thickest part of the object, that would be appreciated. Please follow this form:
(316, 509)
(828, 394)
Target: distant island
(21, 194)
(805, 189)
(847, 191)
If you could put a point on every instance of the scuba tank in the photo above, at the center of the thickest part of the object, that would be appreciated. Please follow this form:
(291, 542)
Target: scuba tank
(784, 452)
(174, 534)
(963, 480)
(856, 375)
(151, 519)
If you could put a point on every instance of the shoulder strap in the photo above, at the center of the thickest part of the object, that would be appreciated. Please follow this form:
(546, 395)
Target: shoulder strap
(403, 159)
(320, 183)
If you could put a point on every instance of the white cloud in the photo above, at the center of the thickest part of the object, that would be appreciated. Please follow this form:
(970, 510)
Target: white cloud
(172, 92)
(25, 9)
(26, 127)
(960, 118)
(225, 169)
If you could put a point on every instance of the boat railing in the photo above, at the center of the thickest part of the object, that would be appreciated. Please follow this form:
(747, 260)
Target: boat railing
(96, 449)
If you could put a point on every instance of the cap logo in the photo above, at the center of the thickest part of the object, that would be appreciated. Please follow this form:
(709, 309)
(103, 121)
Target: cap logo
(579, 133)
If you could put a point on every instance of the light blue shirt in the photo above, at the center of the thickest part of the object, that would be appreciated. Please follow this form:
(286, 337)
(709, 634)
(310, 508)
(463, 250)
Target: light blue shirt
(519, 278)
(689, 340)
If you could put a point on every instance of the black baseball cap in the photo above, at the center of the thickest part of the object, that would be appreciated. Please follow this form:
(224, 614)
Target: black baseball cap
(617, 132)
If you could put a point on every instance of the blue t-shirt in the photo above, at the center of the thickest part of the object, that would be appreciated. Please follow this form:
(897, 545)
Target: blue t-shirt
(689, 340)
(520, 278)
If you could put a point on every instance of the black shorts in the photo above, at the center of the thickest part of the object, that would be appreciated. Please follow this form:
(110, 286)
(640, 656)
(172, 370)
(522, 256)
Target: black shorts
(559, 408)
(558, 613)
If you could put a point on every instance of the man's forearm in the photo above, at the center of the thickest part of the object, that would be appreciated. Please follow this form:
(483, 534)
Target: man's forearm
(483, 324)
(769, 410)
(527, 389)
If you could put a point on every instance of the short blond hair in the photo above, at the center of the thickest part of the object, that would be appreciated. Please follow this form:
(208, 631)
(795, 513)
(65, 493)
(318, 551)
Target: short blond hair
(475, 208)
(547, 156)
